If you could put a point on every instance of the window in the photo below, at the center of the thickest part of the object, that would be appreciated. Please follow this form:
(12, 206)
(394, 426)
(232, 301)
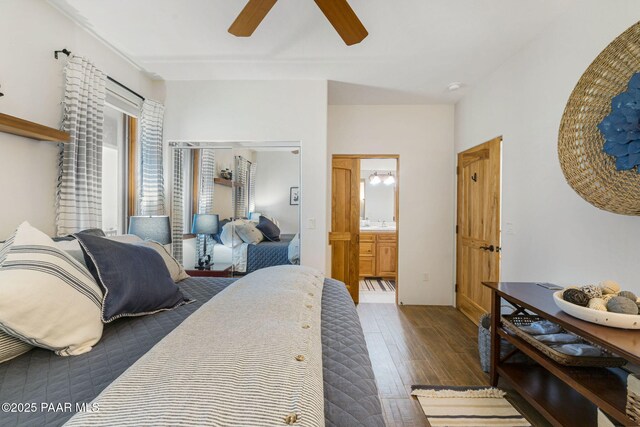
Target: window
(114, 172)
(119, 159)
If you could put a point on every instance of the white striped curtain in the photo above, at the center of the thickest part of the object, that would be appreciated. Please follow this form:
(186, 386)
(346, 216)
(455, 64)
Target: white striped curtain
(252, 187)
(243, 167)
(151, 180)
(177, 219)
(79, 187)
(205, 196)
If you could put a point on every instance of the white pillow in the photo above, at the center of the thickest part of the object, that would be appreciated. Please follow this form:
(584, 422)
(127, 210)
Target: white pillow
(47, 298)
(249, 233)
(293, 250)
(229, 236)
(175, 269)
(72, 247)
(126, 238)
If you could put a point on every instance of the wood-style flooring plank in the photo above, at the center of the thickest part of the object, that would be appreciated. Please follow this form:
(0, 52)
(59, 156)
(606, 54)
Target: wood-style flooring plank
(422, 345)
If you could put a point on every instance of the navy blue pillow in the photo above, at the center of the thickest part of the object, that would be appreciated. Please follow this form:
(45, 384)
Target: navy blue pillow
(135, 279)
(221, 224)
(269, 229)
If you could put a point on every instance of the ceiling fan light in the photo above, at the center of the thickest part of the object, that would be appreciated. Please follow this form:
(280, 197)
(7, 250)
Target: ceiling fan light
(374, 179)
(390, 179)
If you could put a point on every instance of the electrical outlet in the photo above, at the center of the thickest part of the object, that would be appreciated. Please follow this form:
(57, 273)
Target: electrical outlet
(311, 223)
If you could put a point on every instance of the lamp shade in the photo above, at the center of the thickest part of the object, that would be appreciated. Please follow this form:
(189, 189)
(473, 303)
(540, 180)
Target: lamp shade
(156, 228)
(205, 224)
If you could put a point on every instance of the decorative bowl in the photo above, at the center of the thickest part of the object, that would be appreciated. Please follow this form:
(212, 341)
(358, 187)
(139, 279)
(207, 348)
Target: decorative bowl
(604, 318)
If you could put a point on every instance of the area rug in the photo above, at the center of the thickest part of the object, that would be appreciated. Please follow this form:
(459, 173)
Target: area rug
(377, 285)
(467, 406)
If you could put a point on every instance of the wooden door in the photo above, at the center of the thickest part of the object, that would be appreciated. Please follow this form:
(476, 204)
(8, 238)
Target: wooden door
(478, 227)
(345, 222)
(386, 257)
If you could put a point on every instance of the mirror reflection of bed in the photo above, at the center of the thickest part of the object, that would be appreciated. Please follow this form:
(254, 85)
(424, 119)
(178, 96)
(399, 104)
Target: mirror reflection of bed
(252, 190)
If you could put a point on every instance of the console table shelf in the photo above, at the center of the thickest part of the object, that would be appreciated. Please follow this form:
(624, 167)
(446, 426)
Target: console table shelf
(564, 395)
(551, 397)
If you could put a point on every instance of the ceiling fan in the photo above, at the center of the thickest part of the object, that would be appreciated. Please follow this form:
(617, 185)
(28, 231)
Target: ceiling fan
(338, 12)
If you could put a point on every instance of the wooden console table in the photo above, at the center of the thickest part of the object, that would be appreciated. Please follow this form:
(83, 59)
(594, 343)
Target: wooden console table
(565, 396)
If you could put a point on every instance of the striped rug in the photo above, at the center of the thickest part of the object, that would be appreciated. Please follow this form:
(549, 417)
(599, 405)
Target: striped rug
(467, 406)
(377, 285)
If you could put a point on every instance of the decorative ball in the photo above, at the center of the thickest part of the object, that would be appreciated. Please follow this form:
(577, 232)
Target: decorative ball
(592, 291)
(622, 305)
(575, 296)
(628, 294)
(609, 287)
(607, 297)
(597, 304)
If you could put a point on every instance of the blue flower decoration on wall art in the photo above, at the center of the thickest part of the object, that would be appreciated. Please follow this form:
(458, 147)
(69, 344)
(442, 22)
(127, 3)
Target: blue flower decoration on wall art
(621, 128)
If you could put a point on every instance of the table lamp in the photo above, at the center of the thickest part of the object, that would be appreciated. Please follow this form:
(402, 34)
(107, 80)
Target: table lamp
(206, 224)
(156, 228)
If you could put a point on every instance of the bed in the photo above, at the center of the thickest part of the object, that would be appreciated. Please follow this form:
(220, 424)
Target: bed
(247, 258)
(40, 377)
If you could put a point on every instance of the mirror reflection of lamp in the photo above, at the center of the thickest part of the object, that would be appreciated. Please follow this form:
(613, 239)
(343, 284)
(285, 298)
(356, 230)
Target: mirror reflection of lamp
(207, 225)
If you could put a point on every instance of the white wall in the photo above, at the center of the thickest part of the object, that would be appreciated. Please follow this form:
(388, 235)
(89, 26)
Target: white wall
(262, 111)
(423, 137)
(555, 235)
(277, 172)
(32, 81)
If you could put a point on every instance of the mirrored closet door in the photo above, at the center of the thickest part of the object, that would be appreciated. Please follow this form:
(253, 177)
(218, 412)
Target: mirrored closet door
(235, 206)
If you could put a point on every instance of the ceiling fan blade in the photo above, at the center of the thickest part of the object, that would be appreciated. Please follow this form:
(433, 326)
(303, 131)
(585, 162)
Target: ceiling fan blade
(344, 20)
(250, 17)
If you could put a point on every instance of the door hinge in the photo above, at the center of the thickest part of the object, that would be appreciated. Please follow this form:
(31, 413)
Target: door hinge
(456, 287)
(456, 229)
(457, 170)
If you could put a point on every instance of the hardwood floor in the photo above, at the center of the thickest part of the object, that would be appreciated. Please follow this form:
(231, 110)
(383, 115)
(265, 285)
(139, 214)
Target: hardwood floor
(427, 345)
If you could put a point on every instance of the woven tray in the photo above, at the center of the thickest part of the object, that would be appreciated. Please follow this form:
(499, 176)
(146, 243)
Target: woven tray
(512, 323)
(633, 399)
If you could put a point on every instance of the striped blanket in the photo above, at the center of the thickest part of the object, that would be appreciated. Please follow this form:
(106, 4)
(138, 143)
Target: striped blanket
(251, 356)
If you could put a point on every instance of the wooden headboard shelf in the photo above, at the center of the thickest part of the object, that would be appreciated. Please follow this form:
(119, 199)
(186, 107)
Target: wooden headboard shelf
(16, 126)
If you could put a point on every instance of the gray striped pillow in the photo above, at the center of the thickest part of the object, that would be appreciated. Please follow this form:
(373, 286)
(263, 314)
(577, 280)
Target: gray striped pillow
(47, 298)
(11, 347)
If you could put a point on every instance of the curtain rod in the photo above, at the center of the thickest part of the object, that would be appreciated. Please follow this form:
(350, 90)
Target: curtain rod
(68, 52)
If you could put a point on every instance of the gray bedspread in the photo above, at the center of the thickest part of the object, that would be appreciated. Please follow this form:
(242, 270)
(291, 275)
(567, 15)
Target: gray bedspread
(53, 385)
(268, 254)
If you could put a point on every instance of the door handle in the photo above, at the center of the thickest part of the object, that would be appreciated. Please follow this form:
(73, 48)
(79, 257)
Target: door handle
(489, 248)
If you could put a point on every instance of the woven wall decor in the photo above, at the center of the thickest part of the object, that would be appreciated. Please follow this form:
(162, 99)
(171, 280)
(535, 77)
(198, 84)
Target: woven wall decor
(587, 168)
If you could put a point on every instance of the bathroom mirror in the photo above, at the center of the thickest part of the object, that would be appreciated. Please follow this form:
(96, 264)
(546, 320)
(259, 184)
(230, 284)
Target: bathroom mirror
(378, 191)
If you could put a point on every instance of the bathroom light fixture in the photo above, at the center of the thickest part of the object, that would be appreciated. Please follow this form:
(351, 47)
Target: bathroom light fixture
(390, 179)
(453, 86)
(374, 179)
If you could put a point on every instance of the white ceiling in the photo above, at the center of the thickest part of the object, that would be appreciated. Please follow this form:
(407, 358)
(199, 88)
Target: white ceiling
(414, 50)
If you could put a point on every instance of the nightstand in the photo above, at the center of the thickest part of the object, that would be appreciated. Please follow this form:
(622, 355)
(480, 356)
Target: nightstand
(215, 270)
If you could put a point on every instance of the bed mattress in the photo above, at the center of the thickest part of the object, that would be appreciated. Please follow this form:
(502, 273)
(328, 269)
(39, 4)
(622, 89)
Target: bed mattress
(45, 388)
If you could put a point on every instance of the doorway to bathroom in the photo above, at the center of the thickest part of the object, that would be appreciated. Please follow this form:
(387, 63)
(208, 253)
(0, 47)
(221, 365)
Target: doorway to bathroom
(364, 226)
(378, 231)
